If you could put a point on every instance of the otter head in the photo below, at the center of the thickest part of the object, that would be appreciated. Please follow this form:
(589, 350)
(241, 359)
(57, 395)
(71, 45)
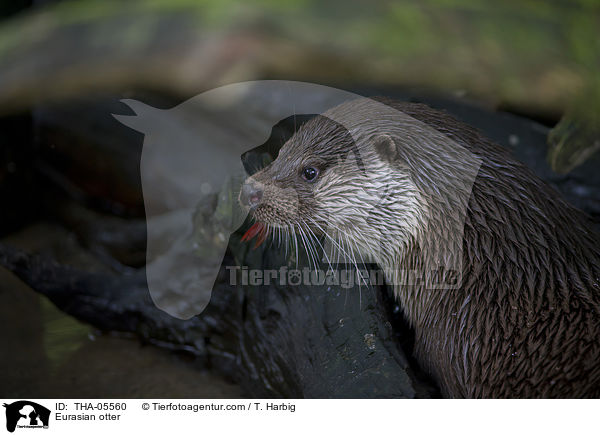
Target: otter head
(350, 187)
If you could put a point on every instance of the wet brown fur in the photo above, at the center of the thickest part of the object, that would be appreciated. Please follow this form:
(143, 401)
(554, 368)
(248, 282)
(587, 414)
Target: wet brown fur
(526, 320)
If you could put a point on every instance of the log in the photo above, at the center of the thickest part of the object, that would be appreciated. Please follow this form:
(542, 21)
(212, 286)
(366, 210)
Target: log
(274, 341)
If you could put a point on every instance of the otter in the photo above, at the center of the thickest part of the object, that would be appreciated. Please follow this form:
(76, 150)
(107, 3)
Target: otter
(523, 318)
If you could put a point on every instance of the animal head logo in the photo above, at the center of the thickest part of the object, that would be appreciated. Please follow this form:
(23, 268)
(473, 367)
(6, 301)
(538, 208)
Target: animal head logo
(191, 171)
(26, 414)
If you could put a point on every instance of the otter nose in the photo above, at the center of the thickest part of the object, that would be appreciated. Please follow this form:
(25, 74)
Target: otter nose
(251, 194)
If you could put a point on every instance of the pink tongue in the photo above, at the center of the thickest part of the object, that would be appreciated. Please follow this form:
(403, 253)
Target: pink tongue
(257, 228)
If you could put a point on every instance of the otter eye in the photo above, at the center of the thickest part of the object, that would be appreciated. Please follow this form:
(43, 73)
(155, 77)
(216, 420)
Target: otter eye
(310, 173)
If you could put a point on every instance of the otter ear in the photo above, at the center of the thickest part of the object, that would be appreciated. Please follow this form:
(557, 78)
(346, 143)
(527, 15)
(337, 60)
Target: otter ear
(385, 147)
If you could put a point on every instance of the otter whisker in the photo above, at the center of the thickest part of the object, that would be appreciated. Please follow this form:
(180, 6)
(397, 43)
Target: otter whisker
(304, 244)
(267, 234)
(287, 241)
(356, 265)
(314, 236)
(295, 243)
(280, 236)
(357, 271)
(312, 247)
(307, 247)
(332, 240)
(362, 260)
